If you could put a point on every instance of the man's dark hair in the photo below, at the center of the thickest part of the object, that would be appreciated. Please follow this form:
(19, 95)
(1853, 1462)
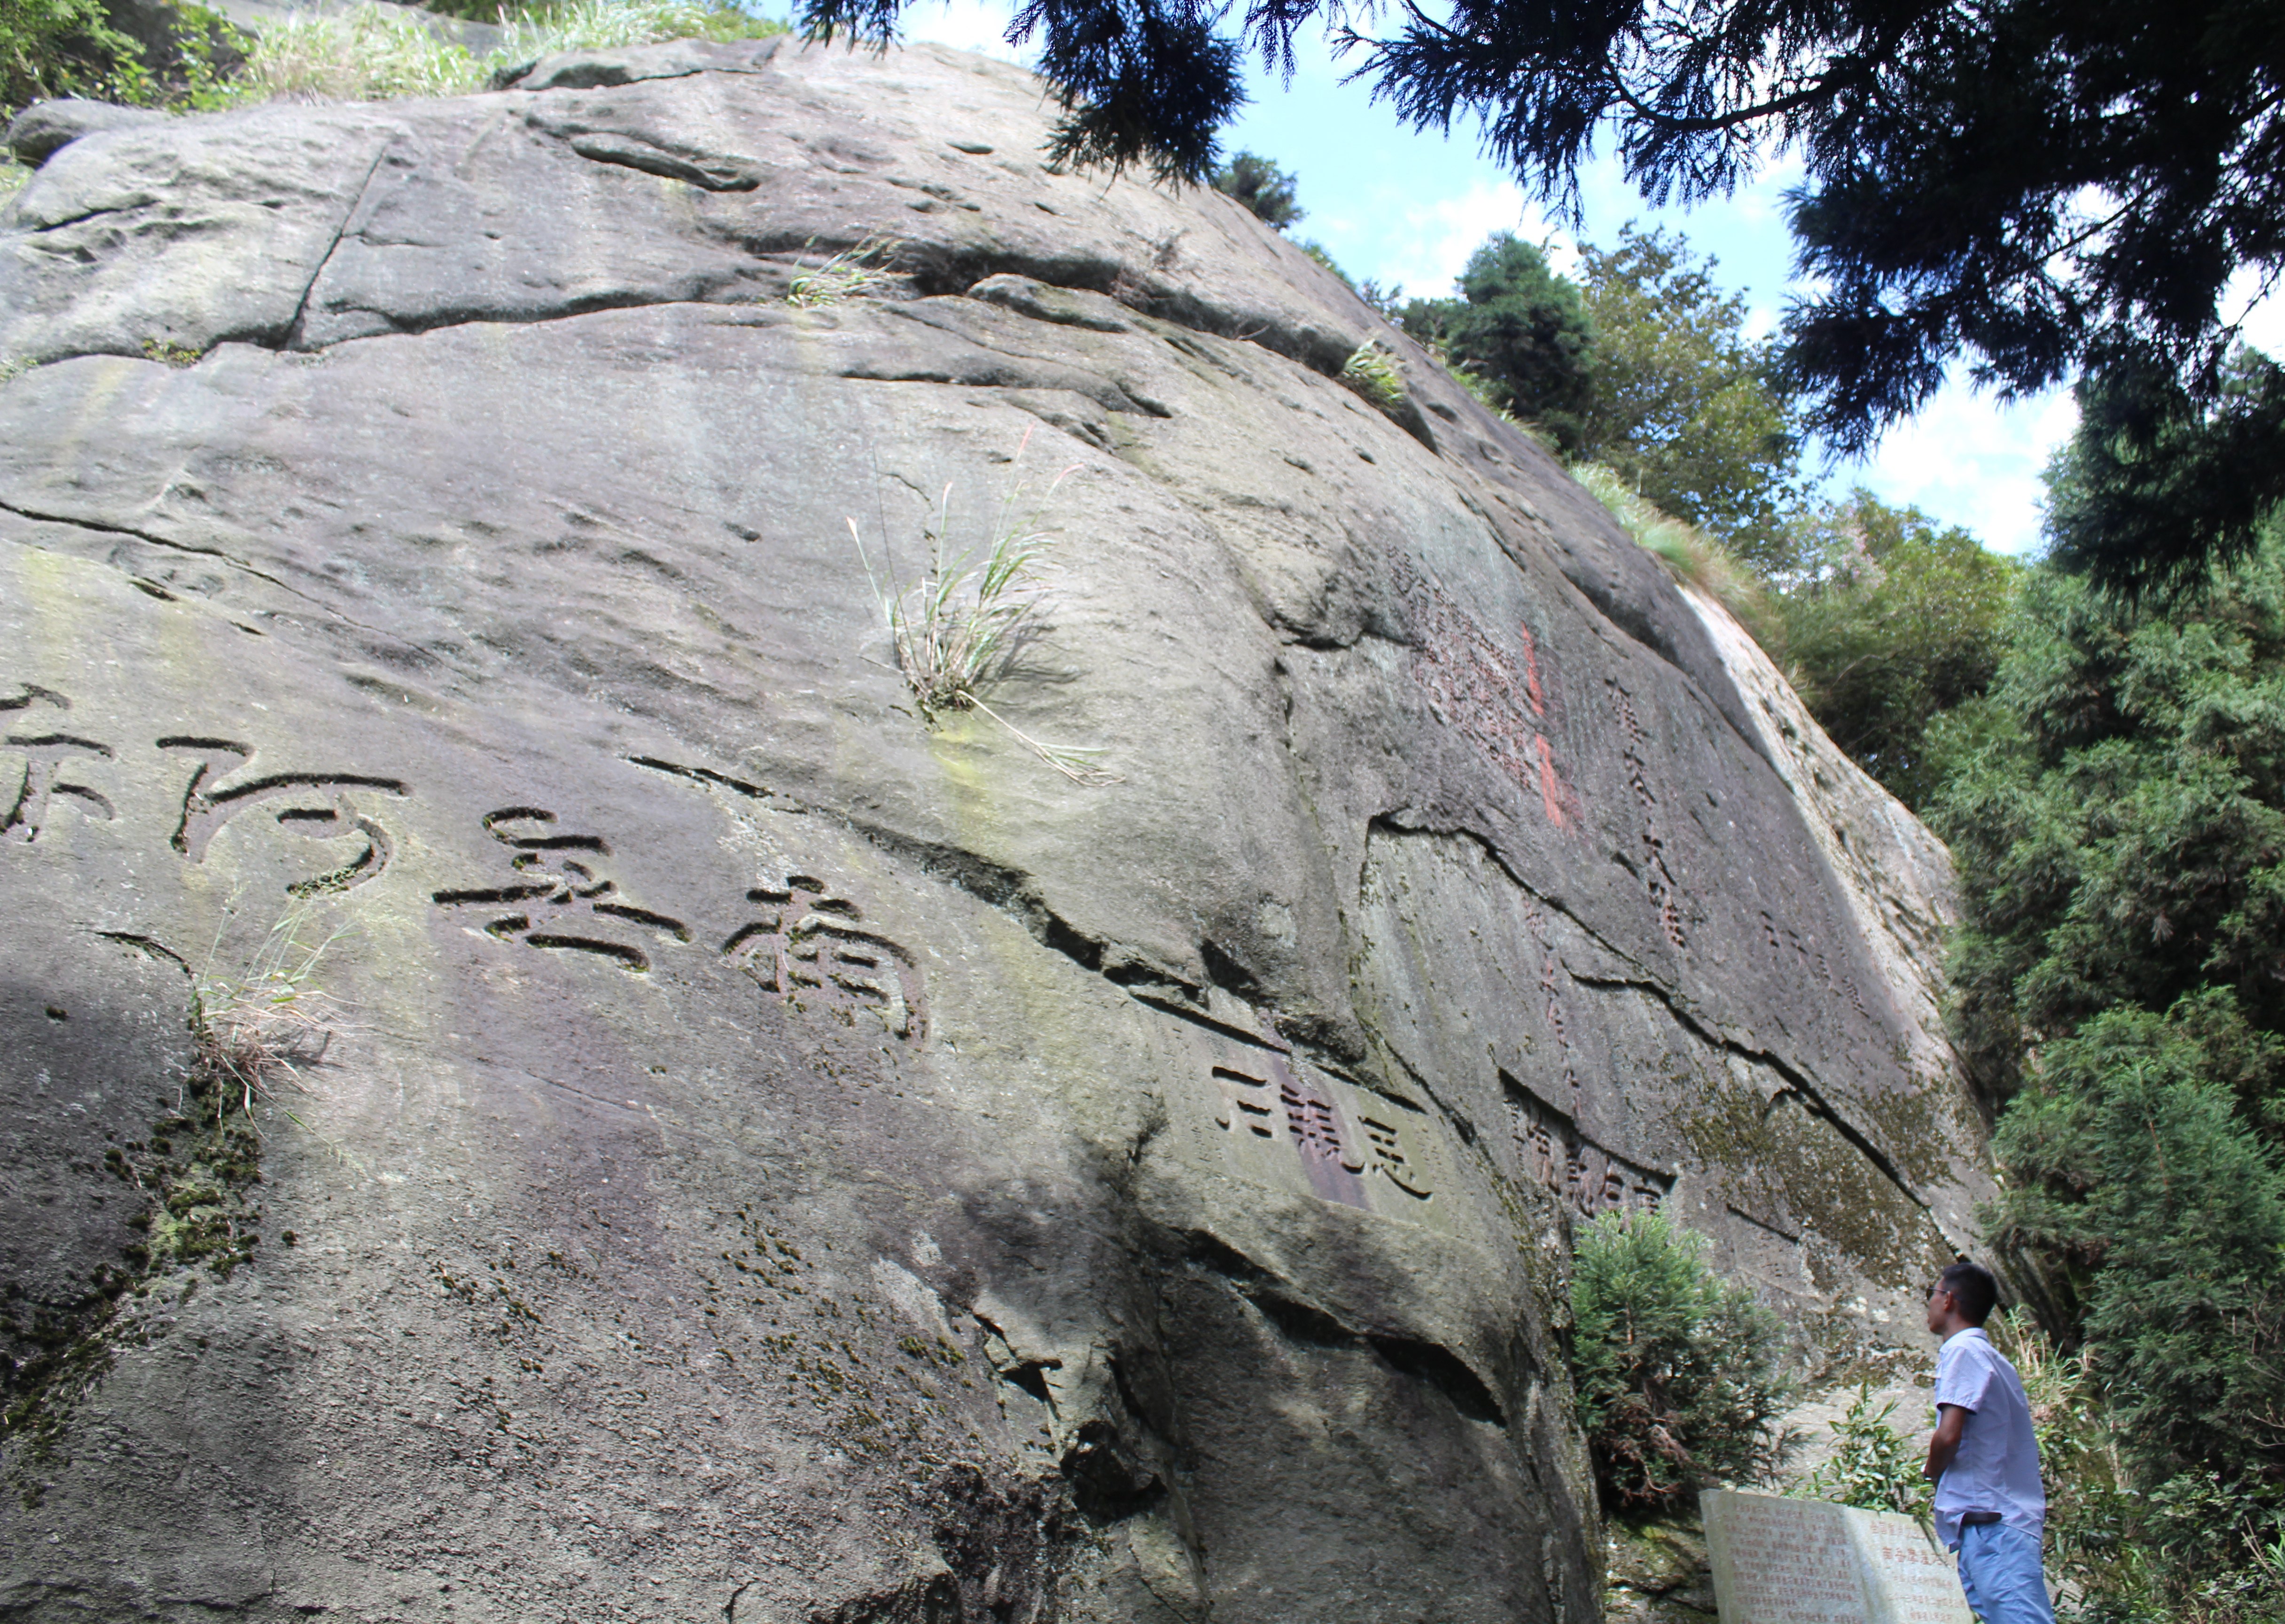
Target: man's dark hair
(1972, 1289)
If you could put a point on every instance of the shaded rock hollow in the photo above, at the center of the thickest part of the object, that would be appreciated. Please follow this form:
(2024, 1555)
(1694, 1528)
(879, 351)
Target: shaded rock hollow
(778, 1159)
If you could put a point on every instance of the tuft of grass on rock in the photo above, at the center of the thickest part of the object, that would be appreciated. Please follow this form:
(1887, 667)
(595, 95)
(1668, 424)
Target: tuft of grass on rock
(168, 353)
(1688, 553)
(959, 629)
(849, 274)
(1372, 372)
(261, 1028)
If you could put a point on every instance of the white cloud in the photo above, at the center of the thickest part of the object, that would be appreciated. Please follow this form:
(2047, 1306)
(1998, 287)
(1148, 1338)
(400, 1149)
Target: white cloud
(2261, 321)
(980, 25)
(1971, 460)
(1425, 244)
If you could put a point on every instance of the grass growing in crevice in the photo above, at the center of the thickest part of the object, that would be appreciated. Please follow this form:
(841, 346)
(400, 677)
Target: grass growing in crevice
(1372, 372)
(962, 626)
(847, 275)
(194, 1175)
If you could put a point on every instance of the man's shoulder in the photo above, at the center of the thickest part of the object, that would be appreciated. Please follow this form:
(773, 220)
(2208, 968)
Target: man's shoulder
(1972, 1345)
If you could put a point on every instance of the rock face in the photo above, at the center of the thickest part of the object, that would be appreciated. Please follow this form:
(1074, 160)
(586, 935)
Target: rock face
(776, 1158)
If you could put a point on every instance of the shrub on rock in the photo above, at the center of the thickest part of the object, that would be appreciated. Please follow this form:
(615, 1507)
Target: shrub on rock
(1676, 1371)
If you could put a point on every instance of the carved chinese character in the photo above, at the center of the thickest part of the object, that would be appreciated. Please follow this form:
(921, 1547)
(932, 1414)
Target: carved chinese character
(1309, 1117)
(318, 806)
(1389, 1160)
(23, 812)
(44, 755)
(1246, 1102)
(810, 949)
(561, 898)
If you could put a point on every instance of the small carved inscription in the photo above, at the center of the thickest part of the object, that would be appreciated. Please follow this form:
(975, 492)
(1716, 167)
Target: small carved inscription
(1475, 684)
(1555, 1154)
(1665, 895)
(1811, 960)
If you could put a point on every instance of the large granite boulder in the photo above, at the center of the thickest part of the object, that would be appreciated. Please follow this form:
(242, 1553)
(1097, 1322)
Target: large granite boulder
(774, 1157)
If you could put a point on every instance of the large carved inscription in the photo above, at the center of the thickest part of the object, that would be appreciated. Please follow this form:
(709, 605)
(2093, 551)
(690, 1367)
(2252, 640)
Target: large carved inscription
(315, 805)
(1286, 1121)
(555, 887)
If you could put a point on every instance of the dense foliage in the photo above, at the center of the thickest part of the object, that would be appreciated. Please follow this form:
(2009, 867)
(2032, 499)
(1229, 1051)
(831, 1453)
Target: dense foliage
(1264, 188)
(57, 48)
(1676, 1372)
(54, 48)
(1888, 621)
(1641, 365)
(2116, 808)
(2157, 485)
(1523, 331)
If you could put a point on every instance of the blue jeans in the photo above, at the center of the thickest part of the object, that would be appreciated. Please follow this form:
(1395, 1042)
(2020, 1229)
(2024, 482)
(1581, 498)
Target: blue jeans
(1999, 1569)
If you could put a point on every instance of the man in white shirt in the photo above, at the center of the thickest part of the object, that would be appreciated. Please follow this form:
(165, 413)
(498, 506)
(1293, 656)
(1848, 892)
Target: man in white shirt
(1985, 1458)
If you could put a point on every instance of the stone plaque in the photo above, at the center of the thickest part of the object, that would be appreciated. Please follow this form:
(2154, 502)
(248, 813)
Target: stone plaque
(1778, 1561)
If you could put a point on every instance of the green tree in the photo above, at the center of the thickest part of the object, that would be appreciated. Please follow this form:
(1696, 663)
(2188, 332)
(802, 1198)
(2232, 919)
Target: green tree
(2116, 811)
(1264, 188)
(1684, 408)
(1888, 621)
(1675, 1371)
(1522, 331)
(52, 48)
(2153, 487)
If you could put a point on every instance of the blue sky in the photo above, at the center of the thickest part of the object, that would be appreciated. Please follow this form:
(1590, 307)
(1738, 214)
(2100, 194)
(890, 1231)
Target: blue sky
(1401, 207)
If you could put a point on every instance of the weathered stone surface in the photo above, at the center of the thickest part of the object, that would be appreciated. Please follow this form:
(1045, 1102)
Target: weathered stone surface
(1658, 1572)
(779, 1160)
(46, 128)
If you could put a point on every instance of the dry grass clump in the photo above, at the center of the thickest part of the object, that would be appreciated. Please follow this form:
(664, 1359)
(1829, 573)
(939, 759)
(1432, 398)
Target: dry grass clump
(370, 54)
(1373, 373)
(848, 274)
(265, 1026)
(959, 629)
(1689, 555)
